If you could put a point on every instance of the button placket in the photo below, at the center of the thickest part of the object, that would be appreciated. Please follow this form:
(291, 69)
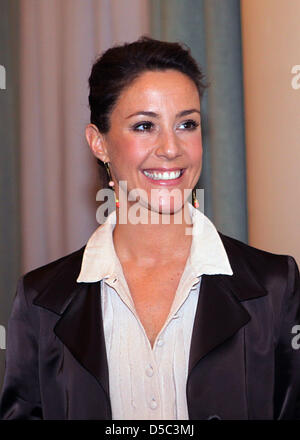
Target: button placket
(153, 394)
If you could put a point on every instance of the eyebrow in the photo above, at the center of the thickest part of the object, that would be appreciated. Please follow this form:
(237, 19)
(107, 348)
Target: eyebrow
(155, 115)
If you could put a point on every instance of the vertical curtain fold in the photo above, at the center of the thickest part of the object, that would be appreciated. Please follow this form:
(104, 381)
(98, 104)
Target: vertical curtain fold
(226, 116)
(211, 29)
(9, 164)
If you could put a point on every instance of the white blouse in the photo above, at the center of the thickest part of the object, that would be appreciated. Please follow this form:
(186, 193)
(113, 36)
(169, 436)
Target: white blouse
(148, 383)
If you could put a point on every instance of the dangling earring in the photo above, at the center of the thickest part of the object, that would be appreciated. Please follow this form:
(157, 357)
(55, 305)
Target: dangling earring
(194, 199)
(111, 183)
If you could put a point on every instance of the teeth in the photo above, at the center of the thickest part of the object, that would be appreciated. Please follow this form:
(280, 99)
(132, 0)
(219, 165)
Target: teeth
(163, 176)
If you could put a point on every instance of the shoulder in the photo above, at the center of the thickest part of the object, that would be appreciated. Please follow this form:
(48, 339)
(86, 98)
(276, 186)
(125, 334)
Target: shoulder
(268, 268)
(64, 270)
(52, 283)
(256, 256)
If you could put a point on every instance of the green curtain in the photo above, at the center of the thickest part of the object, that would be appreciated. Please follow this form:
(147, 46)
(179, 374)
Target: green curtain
(211, 28)
(9, 169)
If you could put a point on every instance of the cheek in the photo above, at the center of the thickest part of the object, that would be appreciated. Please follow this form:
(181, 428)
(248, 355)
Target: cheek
(195, 150)
(136, 150)
(129, 152)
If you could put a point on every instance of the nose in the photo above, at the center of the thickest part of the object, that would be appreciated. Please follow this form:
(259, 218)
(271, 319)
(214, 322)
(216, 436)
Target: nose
(168, 145)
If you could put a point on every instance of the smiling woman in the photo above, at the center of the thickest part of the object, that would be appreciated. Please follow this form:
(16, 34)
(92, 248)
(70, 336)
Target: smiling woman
(154, 139)
(147, 321)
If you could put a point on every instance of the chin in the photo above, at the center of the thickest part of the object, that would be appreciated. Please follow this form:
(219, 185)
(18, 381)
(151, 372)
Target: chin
(169, 206)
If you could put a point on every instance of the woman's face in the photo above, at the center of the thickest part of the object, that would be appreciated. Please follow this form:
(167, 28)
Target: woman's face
(154, 142)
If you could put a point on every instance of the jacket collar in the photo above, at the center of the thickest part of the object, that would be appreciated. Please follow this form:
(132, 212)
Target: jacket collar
(219, 315)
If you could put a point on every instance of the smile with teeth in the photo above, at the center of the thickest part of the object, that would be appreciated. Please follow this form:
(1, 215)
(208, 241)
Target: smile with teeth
(166, 175)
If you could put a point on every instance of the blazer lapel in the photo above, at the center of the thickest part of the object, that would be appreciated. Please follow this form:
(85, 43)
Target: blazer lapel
(220, 313)
(218, 316)
(81, 331)
(80, 326)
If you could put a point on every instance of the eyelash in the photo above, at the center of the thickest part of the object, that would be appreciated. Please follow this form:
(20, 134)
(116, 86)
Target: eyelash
(150, 125)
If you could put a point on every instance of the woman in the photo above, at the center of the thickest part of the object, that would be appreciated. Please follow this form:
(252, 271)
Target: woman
(149, 320)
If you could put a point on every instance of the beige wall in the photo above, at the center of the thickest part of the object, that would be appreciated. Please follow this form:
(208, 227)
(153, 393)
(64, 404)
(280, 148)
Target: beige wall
(271, 42)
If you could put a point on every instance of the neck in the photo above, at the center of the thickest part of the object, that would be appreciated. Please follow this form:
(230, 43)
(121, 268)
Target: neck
(150, 244)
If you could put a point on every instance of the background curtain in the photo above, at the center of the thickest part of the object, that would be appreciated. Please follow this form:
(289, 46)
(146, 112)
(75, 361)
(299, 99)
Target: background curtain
(10, 249)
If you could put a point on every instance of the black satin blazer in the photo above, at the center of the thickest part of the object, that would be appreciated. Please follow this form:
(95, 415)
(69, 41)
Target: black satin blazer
(243, 363)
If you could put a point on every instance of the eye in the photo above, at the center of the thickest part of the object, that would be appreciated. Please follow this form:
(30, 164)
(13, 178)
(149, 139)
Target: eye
(143, 126)
(190, 124)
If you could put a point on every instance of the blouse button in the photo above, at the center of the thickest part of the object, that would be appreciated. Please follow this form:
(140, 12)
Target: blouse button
(153, 404)
(160, 342)
(149, 371)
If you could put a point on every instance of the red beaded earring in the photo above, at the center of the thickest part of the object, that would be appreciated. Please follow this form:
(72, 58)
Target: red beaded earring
(111, 183)
(194, 199)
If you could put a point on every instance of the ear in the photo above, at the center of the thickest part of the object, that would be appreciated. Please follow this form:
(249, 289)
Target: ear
(96, 142)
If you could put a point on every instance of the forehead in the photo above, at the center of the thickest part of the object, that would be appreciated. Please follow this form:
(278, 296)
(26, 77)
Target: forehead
(159, 89)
